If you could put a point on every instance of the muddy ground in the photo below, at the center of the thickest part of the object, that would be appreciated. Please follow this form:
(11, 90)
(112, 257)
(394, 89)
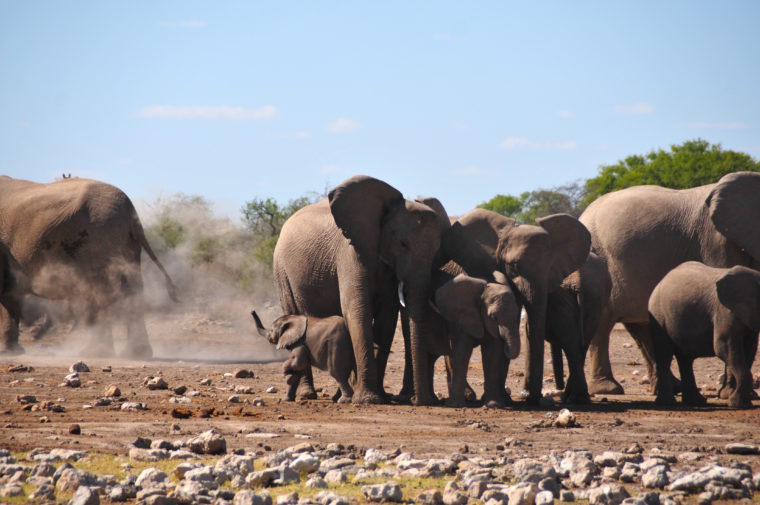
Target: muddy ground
(191, 347)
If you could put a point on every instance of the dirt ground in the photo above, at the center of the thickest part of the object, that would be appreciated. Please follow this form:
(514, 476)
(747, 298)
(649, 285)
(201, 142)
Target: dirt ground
(191, 347)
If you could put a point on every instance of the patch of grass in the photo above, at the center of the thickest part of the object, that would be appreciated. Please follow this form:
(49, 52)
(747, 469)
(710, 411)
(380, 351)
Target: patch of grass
(108, 464)
(28, 489)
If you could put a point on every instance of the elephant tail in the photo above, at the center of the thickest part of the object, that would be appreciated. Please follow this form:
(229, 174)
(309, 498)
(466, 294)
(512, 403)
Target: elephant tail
(558, 366)
(139, 235)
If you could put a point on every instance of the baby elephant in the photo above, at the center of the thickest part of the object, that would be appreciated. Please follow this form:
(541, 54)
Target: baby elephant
(697, 311)
(320, 342)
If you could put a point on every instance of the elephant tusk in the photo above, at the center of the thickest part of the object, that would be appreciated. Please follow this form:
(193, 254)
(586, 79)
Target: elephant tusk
(401, 294)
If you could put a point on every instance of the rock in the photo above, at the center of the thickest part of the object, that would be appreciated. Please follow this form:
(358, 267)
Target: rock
(188, 491)
(72, 380)
(374, 456)
(181, 413)
(305, 463)
(582, 477)
(549, 484)
(75, 429)
(26, 399)
(103, 402)
(544, 498)
(696, 481)
(155, 383)
(631, 472)
(331, 498)
(271, 390)
(523, 493)
(142, 443)
(387, 492)
(608, 458)
(745, 449)
(566, 495)
(11, 489)
(112, 391)
(607, 494)
(316, 482)
(258, 402)
(151, 478)
(79, 366)
(44, 493)
(335, 476)
(429, 497)
(455, 497)
(151, 455)
(134, 406)
(262, 478)
(85, 495)
(179, 390)
(565, 419)
(234, 399)
(208, 442)
(288, 499)
(242, 373)
(244, 390)
(611, 472)
(531, 470)
(655, 477)
(635, 448)
(247, 497)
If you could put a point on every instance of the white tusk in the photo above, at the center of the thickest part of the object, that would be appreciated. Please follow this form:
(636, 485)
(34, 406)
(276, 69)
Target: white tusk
(401, 294)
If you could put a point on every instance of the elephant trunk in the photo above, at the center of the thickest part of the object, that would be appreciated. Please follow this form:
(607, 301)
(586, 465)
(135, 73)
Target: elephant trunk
(418, 306)
(535, 298)
(510, 334)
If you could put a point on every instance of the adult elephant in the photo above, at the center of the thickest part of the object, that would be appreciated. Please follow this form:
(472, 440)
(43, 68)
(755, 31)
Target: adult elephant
(535, 259)
(79, 240)
(645, 231)
(360, 253)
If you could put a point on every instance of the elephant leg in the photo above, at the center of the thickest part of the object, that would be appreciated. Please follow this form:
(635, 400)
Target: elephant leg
(384, 329)
(689, 391)
(602, 381)
(663, 352)
(557, 366)
(642, 335)
(494, 364)
(306, 390)
(731, 351)
(456, 367)
(346, 391)
(10, 313)
(576, 390)
(292, 380)
(138, 344)
(407, 388)
(534, 358)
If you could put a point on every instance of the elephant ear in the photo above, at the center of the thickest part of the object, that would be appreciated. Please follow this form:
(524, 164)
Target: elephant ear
(734, 206)
(292, 332)
(444, 223)
(571, 243)
(472, 241)
(739, 290)
(358, 206)
(458, 301)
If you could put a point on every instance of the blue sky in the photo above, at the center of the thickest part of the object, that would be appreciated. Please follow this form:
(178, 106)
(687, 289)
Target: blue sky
(460, 100)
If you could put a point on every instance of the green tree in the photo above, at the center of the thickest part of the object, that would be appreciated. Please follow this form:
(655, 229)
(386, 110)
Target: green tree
(506, 205)
(532, 205)
(693, 163)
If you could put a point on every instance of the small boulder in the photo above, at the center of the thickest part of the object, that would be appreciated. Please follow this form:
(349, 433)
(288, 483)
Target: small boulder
(387, 492)
(112, 391)
(80, 367)
(208, 442)
(85, 496)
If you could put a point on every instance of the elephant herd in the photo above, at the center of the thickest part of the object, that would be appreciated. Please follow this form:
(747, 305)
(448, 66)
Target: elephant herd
(679, 268)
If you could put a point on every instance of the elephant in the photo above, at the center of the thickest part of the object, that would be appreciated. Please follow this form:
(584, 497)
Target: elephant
(320, 342)
(78, 240)
(477, 312)
(644, 232)
(535, 259)
(697, 311)
(572, 317)
(361, 253)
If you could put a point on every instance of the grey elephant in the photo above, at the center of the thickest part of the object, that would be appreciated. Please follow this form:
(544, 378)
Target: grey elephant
(644, 232)
(535, 259)
(697, 311)
(359, 254)
(477, 312)
(572, 317)
(320, 342)
(78, 240)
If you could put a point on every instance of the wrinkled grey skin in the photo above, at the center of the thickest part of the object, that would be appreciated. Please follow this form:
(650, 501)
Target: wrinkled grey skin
(14, 285)
(535, 259)
(477, 312)
(78, 240)
(698, 311)
(644, 232)
(346, 256)
(323, 343)
(572, 317)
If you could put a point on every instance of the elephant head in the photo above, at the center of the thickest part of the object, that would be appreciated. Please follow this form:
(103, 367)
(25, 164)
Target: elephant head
(535, 259)
(739, 290)
(482, 309)
(287, 331)
(390, 233)
(734, 208)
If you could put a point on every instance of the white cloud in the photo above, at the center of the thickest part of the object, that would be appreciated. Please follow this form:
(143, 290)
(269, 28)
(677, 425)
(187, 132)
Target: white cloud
(330, 168)
(718, 125)
(564, 114)
(207, 112)
(192, 24)
(511, 143)
(469, 171)
(343, 125)
(637, 109)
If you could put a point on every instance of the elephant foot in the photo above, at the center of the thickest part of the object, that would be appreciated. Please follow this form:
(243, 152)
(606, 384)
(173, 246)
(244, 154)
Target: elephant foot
(725, 392)
(367, 397)
(289, 398)
(454, 402)
(495, 404)
(737, 402)
(605, 386)
(345, 399)
(665, 400)
(402, 398)
(13, 349)
(576, 397)
(137, 351)
(469, 395)
(424, 401)
(307, 394)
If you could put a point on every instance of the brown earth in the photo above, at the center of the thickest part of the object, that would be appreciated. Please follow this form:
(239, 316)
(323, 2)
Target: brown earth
(211, 348)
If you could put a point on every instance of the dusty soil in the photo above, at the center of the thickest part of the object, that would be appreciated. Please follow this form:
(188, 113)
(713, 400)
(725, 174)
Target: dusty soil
(191, 347)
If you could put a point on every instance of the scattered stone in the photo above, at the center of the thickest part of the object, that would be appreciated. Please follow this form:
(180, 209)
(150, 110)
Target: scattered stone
(44, 493)
(316, 482)
(106, 369)
(336, 476)
(179, 390)
(243, 390)
(565, 419)
(208, 442)
(429, 497)
(242, 373)
(26, 399)
(151, 478)
(103, 402)
(655, 477)
(80, 367)
(271, 390)
(258, 402)
(181, 413)
(75, 429)
(248, 497)
(19, 368)
(205, 382)
(305, 463)
(155, 383)
(142, 443)
(234, 399)
(72, 380)
(85, 495)
(11, 489)
(288, 499)
(544, 498)
(744, 449)
(134, 406)
(388, 492)
(607, 494)
(112, 391)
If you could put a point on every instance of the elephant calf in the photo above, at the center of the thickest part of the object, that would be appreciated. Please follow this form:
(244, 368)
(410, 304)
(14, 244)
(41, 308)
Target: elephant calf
(697, 311)
(313, 341)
